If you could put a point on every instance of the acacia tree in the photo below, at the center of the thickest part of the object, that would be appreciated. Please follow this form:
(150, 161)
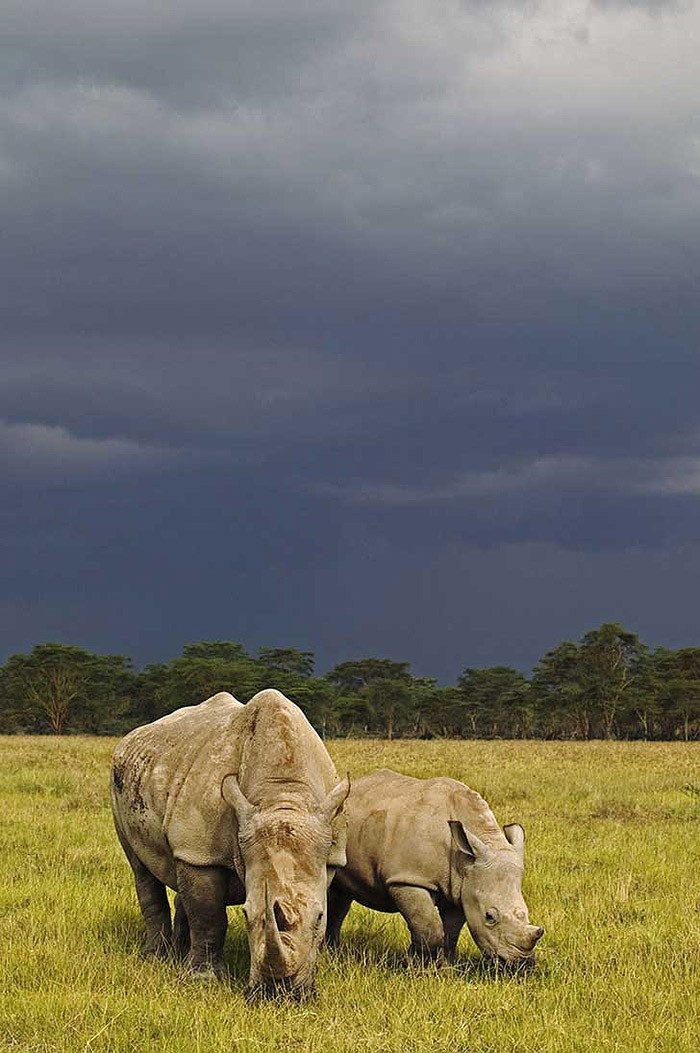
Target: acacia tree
(607, 660)
(318, 701)
(389, 702)
(433, 709)
(287, 660)
(555, 687)
(57, 686)
(645, 697)
(494, 701)
(678, 676)
(351, 677)
(371, 692)
(202, 670)
(53, 689)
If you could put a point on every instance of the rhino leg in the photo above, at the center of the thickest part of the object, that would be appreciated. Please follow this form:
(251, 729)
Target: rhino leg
(202, 892)
(423, 920)
(452, 923)
(181, 930)
(153, 901)
(339, 903)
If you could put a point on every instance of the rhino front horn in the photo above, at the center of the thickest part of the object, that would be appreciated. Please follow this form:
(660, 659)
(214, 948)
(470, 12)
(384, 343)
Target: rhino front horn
(276, 958)
(535, 933)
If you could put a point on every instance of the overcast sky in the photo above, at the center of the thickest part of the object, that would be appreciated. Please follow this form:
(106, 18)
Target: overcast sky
(366, 328)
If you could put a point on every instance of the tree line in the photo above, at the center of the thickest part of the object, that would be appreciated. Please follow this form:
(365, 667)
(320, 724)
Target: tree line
(608, 685)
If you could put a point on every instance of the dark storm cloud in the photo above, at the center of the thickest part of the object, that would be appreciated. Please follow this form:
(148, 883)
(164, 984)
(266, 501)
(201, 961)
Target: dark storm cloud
(194, 399)
(305, 303)
(190, 54)
(421, 157)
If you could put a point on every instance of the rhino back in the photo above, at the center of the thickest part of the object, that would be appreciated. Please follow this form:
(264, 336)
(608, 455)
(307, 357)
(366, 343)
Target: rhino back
(398, 832)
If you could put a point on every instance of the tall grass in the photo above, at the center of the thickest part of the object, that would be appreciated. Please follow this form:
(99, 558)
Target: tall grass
(613, 873)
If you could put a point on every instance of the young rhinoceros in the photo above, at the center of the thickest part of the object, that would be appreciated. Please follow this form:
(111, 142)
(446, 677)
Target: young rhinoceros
(432, 850)
(226, 803)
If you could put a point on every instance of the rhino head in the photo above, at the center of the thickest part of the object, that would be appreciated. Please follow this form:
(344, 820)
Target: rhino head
(491, 894)
(289, 856)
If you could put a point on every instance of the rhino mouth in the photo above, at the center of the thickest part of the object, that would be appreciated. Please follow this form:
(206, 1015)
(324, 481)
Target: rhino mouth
(519, 954)
(516, 963)
(285, 989)
(496, 965)
(513, 959)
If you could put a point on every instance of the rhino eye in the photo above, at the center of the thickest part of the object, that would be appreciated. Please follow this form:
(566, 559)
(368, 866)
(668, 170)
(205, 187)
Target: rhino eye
(491, 917)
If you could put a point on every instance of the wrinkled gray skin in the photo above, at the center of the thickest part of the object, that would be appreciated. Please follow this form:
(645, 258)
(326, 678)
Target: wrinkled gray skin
(432, 850)
(229, 804)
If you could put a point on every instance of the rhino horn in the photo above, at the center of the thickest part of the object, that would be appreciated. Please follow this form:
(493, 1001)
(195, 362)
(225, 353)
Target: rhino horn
(336, 799)
(236, 799)
(275, 951)
(467, 842)
(534, 933)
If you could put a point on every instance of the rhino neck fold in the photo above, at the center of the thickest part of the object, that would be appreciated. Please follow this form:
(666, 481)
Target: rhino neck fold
(454, 879)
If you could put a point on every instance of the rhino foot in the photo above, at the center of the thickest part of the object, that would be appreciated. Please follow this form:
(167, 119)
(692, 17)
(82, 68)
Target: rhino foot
(157, 947)
(207, 970)
(204, 975)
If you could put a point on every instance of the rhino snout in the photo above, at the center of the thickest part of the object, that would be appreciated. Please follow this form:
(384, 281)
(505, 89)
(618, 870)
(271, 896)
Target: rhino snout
(522, 948)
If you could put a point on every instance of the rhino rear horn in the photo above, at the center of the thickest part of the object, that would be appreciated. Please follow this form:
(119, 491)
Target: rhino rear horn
(467, 842)
(235, 798)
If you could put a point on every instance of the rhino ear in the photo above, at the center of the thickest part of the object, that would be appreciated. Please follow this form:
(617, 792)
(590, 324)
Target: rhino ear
(467, 843)
(515, 835)
(236, 799)
(336, 799)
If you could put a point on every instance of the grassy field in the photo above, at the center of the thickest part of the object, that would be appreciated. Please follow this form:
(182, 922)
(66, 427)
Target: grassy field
(613, 873)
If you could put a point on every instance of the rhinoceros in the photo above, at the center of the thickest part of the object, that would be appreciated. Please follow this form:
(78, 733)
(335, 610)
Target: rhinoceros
(432, 850)
(228, 803)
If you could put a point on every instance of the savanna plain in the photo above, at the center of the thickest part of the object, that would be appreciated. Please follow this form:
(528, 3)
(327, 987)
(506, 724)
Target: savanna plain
(612, 872)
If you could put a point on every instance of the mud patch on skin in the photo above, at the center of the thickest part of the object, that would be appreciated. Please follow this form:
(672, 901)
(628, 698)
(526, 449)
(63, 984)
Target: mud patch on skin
(128, 783)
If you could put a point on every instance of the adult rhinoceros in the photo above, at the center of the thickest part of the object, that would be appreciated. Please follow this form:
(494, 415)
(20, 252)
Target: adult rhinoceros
(432, 850)
(227, 803)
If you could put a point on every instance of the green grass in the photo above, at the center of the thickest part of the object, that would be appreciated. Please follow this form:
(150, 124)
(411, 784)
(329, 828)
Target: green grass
(613, 873)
